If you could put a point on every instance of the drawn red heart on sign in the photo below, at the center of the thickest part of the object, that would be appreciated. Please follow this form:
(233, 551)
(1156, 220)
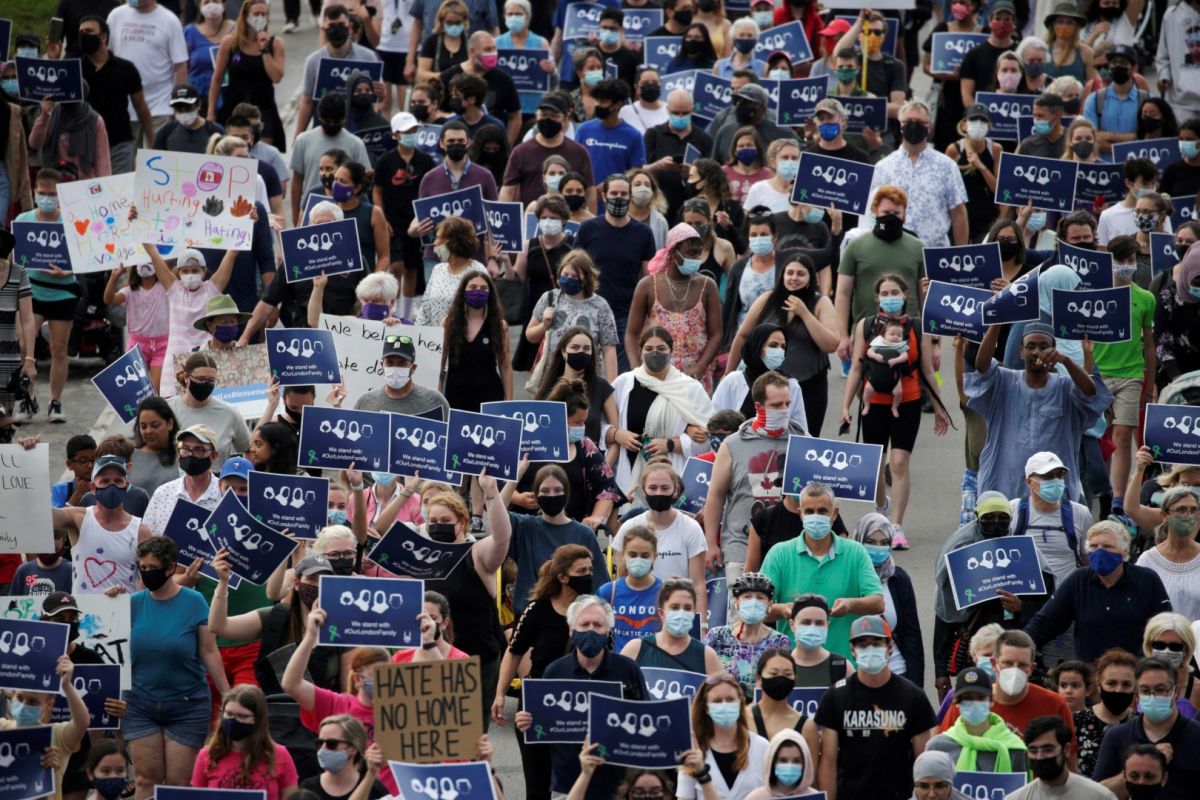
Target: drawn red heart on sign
(110, 247)
(100, 565)
(81, 225)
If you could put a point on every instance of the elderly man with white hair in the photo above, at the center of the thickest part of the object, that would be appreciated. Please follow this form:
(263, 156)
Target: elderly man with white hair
(502, 100)
(1034, 53)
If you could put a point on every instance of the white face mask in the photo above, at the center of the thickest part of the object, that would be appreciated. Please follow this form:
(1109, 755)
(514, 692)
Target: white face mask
(212, 10)
(186, 118)
(258, 22)
(777, 418)
(396, 377)
(191, 281)
(1013, 681)
(976, 129)
(442, 252)
(145, 270)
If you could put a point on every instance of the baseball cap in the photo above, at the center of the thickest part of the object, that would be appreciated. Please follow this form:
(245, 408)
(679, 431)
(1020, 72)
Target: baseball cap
(109, 462)
(835, 28)
(992, 503)
(57, 603)
(972, 682)
(404, 122)
(203, 433)
(1002, 5)
(553, 102)
(313, 564)
(189, 256)
(977, 111)
(754, 93)
(399, 345)
(184, 95)
(1123, 51)
(870, 625)
(237, 467)
(1043, 462)
(832, 105)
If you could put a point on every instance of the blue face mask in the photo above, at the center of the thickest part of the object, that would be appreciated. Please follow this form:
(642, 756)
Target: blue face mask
(788, 169)
(383, 478)
(829, 131)
(639, 567)
(871, 660)
(814, 216)
(1041, 127)
(570, 285)
(810, 637)
(575, 433)
(1188, 148)
(745, 155)
(891, 305)
(764, 19)
(1156, 709)
(752, 611)
(1052, 490)
(985, 664)
(724, 715)
(789, 774)
(974, 712)
(679, 622)
(9, 85)
(110, 788)
(24, 715)
(1194, 291)
(680, 121)
(1104, 562)
(608, 38)
(454, 30)
(593, 77)
(760, 245)
(689, 266)
(773, 357)
(879, 553)
(336, 517)
(410, 140)
(1036, 221)
(515, 22)
(552, 182)
(817, 526)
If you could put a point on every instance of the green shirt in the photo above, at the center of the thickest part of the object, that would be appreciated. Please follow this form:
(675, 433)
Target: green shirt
(242, 600)
(868, 258)
(845, 571)
(1128, 359)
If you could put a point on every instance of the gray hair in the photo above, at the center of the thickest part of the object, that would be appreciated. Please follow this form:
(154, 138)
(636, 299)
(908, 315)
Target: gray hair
(524, 5)
(1175, 494)
(377, 284)
(744, 22)
(1115, 528)
(983, 637)
(585, 601)
(325, 208)
(817, 489)
(919, 105)
(331, 533)
(1064, 84)
(1031, 43)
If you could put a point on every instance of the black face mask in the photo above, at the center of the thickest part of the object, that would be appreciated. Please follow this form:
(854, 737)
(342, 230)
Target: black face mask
(552, 504)
(914, 132)
(89, 43)
(1009, 249)
(331, 128)
(1071, 107)
(362, 101)
(582, 584)
(420, 111)
(650, 92)
(1111, 12)
(342, 566)
(1047, 769)
(327, 181)
(337, 35)
(1116, 702)
(1143, 791)
(746, 113)
(442, 532)
(659, 502)
(889, 228)
(456, 105)
(549, 127)
(779, 687)
(683, 18)
(992, 530)
(575, 201)
(693, 47)
(1083, 149)
(1119, 74)
(456, 151)
(579, 361)
(155, 579)
(1085, 245)
(707, 6)
(200, 391)
(194, 465)
(1181, 250)
(236, 730)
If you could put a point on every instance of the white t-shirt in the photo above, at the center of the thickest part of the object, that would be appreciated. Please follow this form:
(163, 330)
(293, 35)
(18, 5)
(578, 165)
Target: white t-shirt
(678, 543)
(397, 42)
(1117, 220)
(763, 194)
(644, 118)
(1051, 540)
(153, 41)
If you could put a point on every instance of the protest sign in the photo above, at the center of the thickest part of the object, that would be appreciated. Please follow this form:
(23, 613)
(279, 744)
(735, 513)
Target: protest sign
(29, 653)
(429, 139)
(582, 20)
(560, 708)
(951, 310)
(525, 68)
(333, 72)
(186, 528)
(60, 80)
(1162, 252)
(1017, 302)
(803, 699)
(466, 203)
(25, 525)
(1172, 433)
(979, 571)
(789, 38)
(1094, 267)
(831, 182)
(640, 734)
(475, 442)
(949, 50)
(639, 22)
(657, 51)
(96, 224)
(162, 792)
(1102, 315)
(712, 95)
(22, 776)
(1004, 110)
(359, 345)
(94, 683)
(243, 372)
(255, 550)
(378, 141)
(302, 356)
(331, 248)
(310, 202)
(668, 684)
(297, 504)
(40, 245)
(1106, 181)
(798, 99)
(104, 624)
(428, 711)
(190, 200)
(1048, 183)
(544, 426)
(504, 223)
(1185, 211)
(418, 445)
(471, 780)
(849, 468)
(371, 612)
(691, 154)
(403, 551)
(685, 79)
(967, 265)
(696, 474)
(893, 24)
(531, 227)
(988, 785)
(125, 383)
(340, 438)
(1160, 151)
(864, 112)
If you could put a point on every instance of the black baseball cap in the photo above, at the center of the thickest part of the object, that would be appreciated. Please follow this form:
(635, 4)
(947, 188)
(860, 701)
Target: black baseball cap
(57, 603)
(398, 344)
(973, 681)
(184, 95)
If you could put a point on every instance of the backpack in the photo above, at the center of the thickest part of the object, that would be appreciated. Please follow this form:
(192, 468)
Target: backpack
(1067, 514)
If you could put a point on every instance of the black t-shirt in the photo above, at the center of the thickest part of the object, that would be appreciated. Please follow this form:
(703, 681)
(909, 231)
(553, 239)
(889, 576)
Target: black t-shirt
(725, 763)
(400, 183)
(443, 59)
(774, 525)
(626, 61)
(979, 65)
(109, 89)
(313, 784)
(1180, 179)
(875, 727)
(292, 301)
(501, 98)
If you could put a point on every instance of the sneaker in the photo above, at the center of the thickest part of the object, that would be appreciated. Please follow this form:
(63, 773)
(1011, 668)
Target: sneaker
(27, 412)
(886, 507)
(899, 541)
(845, 367)
(290, 26)
(56, 412)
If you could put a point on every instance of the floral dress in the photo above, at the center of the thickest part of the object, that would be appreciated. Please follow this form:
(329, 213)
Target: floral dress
(741, 658)
(1089, 732)
(689, 330)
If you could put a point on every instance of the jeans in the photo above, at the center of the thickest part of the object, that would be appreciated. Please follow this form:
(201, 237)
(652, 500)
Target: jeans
(121, 155)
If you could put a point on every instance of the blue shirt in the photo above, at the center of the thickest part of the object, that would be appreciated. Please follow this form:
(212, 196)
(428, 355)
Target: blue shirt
(164, 643)
(1184, 770)
(618, 253)
(1120, 115)
(635, 610)
(200, 61)
(60, 493)
(31, 578)
(617, 149)
(725, 68)
(533, 543)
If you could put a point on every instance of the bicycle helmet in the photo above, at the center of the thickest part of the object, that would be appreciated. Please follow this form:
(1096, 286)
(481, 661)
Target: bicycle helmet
(752, 582)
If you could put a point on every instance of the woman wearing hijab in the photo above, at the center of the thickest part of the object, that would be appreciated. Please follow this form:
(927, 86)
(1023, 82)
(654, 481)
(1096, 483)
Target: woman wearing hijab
(360, 104)
(72, 132)
(874, 532)
(933, 777)
(765, 351)
(1177, 320)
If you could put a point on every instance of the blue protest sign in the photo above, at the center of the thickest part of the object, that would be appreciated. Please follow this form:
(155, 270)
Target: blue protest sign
(188, 793)
(1017, 302)
(798, 99)
(29, 652)
(544, 426)
(1102, 180)
(657, 51)
(611, 70)
(988, 784)
(428, 139)
(686, 80)
(525, 68)
(669, 684)
(582, 20)
(789, 38)
(849, 468)
(1004, 111)
(466, 203)
(40, 245)
(640, 734)
(1025, 127)
(255, 550)
(978, 571)
(696, 474)
(469, 780)
(1162, 252)
(377, 141)
(804, 699)
(531, 226)
(22, 776)
(1094, 267)
(1160, 151)
(1172, 433)
(864, 112)
(951, 310)
(418, 445)
(893, 24)
(371, 612)
(1185, 211)
(949, 49)
(186, 528)
(504, 221)
(309, 202)
(1102, 315)
(403, 551)
(1048, 183)
(339, 438)
(968, 265)
(333, 72)
(5, 36)
(639, 22)
(54, 79)
(717, 592)
(95, 683)
(330, 247)
(831, 182)
(560, 708)
(691, 154)
(297, 504)
(301, 356)
(125, 383)
(711, 94)
(481, 441)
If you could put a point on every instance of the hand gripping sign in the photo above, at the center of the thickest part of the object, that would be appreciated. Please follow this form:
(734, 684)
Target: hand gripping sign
(476, 442)
(403, 551)
(466, 203)
(186, 528)
(22, 776)
(1017, 302)
(640, 734)
(374, 612)
(41, 245)
(125, 383)
(29, 653)
(978, 571)
(1094, 267)
(470, 780)
(951, 310)
(60, 80)
(293, 503)
(94, 683)
(1173, 433)
(560, 708)
(255, 550)
(849, 468)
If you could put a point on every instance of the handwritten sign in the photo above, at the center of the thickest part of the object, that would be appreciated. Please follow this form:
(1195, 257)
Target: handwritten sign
(1048, 183)
(403, 551)
(297, 504)
(125, 383)
(341, 438)
(560, 708)
(979, 571)
(99, 233)
(331, 248)
(60, 80)
(967, 265)
(849, 468)
(371, 612)
(301, 356)
(475, 442)
(41, 245)
(332, 74)
(359, 345)
(428, 711)
(640, 734)
(951, 310)
(25, 525)
(191, 200)
(255, 551)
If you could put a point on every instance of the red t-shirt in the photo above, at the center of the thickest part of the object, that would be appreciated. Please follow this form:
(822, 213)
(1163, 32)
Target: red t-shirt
(1038, 702)
(226, 773)
(326, 703)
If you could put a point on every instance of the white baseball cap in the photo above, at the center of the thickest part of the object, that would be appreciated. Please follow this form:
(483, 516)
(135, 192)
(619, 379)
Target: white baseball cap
(404, 122)
(1041, 463)
(190, 256)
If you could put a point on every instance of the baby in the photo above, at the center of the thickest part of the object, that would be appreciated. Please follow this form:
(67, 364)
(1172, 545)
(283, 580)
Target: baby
(888, 353)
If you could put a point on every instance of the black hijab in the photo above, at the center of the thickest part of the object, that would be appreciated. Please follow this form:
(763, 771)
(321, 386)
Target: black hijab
(752, 358)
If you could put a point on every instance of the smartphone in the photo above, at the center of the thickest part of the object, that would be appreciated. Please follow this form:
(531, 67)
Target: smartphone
(56, 29)
(677, 159)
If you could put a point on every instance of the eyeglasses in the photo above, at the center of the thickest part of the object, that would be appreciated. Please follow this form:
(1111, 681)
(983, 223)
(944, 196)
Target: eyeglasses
(396, 339)
(340, 554)
(1174, 647)
(246, 717)
(1043, 751)
(199, 450)
(331, 744)
(1184, 512)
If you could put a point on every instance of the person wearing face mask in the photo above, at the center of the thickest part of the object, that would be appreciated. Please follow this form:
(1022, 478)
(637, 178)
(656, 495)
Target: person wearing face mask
(1112, 22)
(45, 573)
(854, 714)
(146, 313)
(525, 177)
(196, 482)
(197, 407)
(1151, 214)
(241, 749)
(745, 32)
(310, 145)
(1144, 770)
(1048, 742)
(207, 30)
(634, 595)
(1047, 138)
(613, 145)
(789, 770)
(980, 741)
(647, 109)
(772, 713)
(722, 764)
(400, 394)
(1115, 684)
(1169, 636)
(1114, 108)
(475, 369)
(114, 86)
(977, 157)
(1176, 557)
(223, 322)
(1181, 178)
(188, 294)
(335, 22)
(673, 646)
(750, 110)
(108, 770)
(666, 145)
(28, 709)
(398, 174)
(360, 103)
(696, 50)
(151, 37)
(783, 156)
(341, 756)
(874, 533)
(765, 351)
(745, 165)
(188, 131)
(741, 643)
(963, 18)
(518, 17)
(680, 540)
(886, 75)
(456, 246)
(979, 64)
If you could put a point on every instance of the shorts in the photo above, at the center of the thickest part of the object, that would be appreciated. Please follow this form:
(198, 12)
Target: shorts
(185, 720)
(393, 65)
(899, 433)
(154, 348)
(57, 310)
(1127, 400)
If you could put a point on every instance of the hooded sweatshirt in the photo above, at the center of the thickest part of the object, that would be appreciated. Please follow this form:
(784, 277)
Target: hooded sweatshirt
(771, 787)
(1177, 61)
(755, 481)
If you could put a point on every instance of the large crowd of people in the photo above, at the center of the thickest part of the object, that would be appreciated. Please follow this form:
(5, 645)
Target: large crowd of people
(682, 306)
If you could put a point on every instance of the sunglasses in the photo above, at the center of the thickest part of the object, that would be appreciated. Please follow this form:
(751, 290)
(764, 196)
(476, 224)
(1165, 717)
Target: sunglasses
(394, 339)
(1174, 647)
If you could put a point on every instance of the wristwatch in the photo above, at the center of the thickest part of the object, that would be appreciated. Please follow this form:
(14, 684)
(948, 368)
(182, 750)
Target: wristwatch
(670, 445)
